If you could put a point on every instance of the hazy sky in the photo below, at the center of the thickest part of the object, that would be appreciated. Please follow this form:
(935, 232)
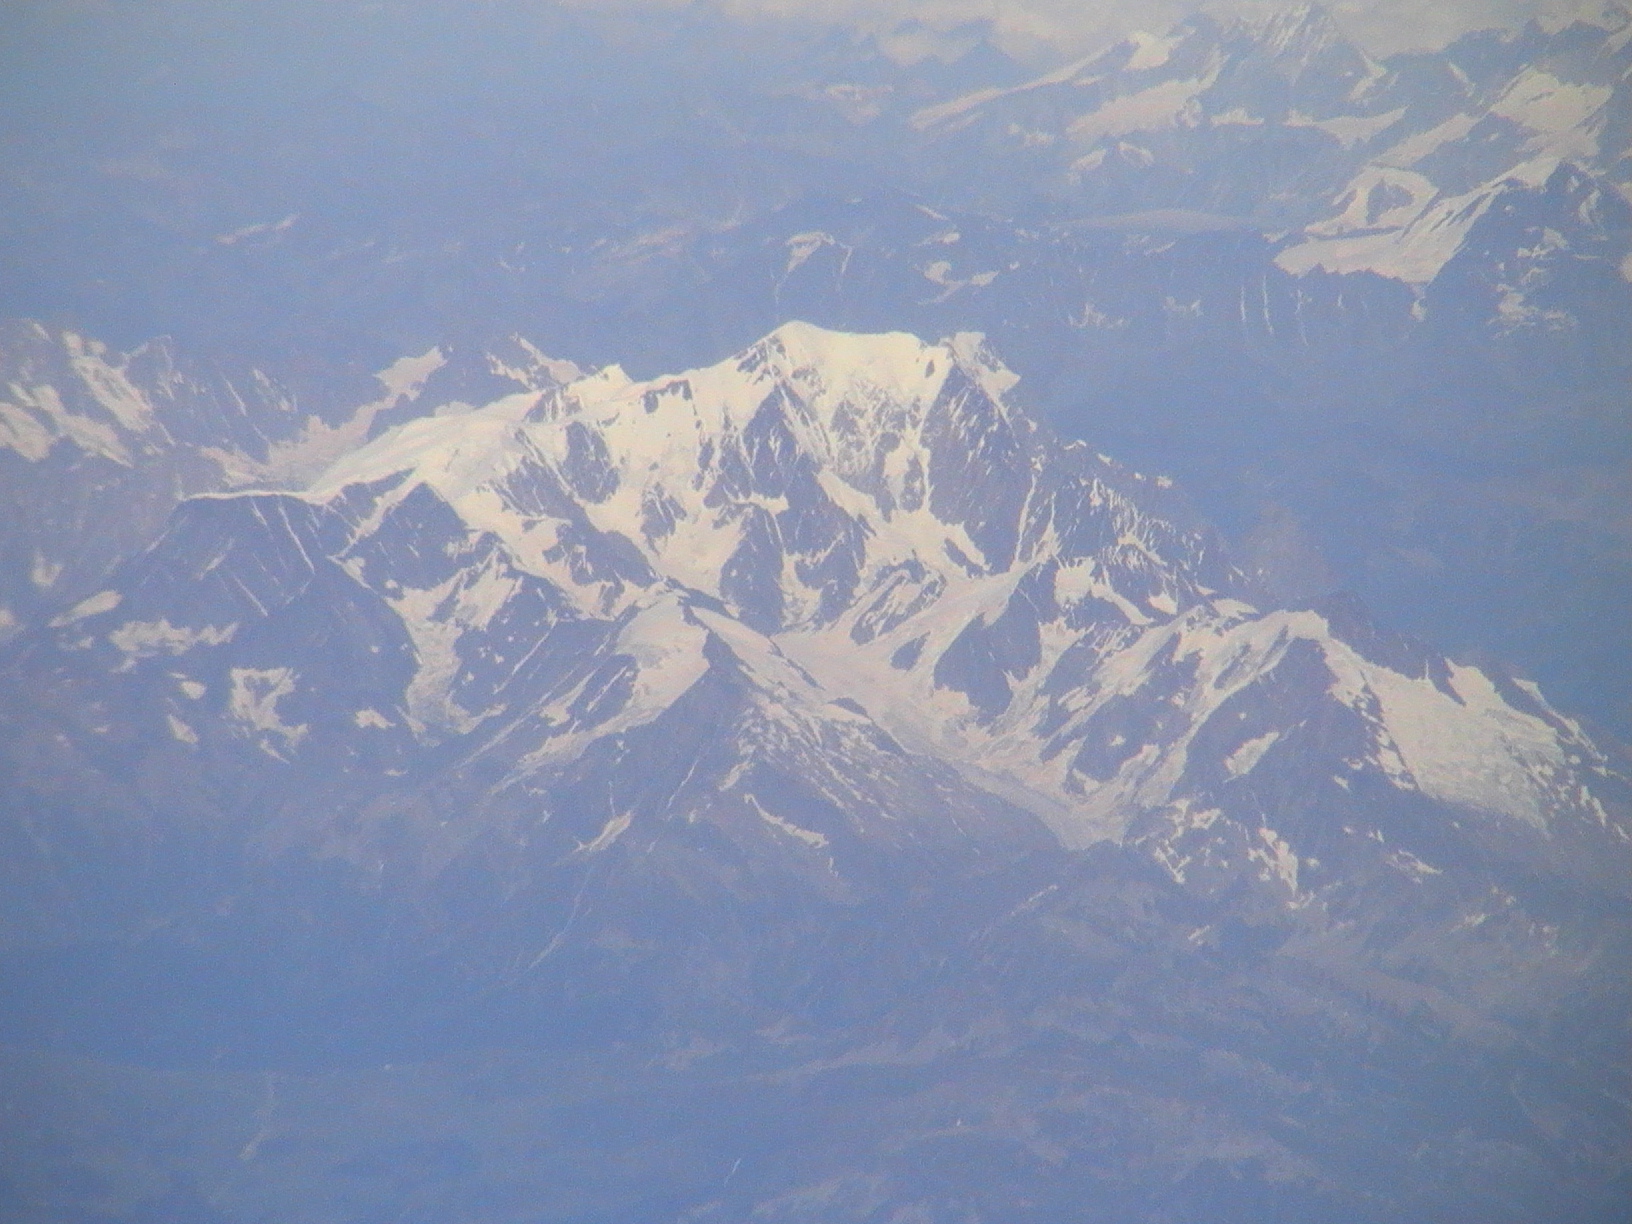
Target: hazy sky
(1030, 26)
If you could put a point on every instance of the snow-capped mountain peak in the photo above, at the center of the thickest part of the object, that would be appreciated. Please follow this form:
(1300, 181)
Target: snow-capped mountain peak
(680, 682)
(835, 535)
(791, 479)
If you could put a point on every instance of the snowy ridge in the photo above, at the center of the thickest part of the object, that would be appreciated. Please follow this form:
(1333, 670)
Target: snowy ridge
(98, 446)
(877, 447)
(1406, 181)
(854, 559)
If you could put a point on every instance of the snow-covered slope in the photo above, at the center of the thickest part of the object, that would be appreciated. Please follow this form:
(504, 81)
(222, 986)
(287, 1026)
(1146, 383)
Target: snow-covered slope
(98, 446)
(862, 547)
(815, 701)
(877, 509)
(1283, 123)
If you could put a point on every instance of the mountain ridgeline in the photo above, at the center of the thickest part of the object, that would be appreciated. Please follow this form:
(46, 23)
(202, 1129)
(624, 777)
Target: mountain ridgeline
(1373, 304)
(815, 727)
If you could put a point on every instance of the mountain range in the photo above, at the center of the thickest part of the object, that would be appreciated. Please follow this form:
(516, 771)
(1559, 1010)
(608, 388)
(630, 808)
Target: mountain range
(1369, 311)
(790, 711)
(622, 616)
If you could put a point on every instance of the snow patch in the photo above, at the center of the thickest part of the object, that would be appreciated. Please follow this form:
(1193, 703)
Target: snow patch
(1414, 148)
(22, 432)
(802, 246)
(1556, 111)
(961, 110)
(108, 385)
(34, 419)
(181, 731)
(1275, 859)
(145, 639)
(1472, 749)
(1166, 105)
(1411, 250)
(296, 462)
(809, 837)
(102, 601)
(44, 574)
(436, 619)
(1149, 50)
(1349, 130)
(253, 702)
(405, 377)
(1409, 864)
(261, 229)
(610, 832)
(1244, 758)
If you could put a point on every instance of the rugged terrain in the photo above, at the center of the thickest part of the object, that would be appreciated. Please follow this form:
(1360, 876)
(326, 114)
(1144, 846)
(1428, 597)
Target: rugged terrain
(1148, 755)
(1370, 311)
(817, 730)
